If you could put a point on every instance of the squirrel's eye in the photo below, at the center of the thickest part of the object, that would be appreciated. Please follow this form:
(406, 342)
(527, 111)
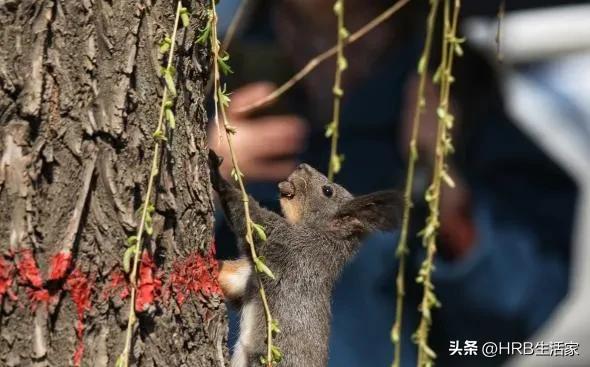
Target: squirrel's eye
(328, 191)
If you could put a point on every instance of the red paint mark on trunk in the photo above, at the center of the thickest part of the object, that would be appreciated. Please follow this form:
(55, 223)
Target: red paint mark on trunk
(193, 274)
(37, 296)
(196, 273)
(7, 274)
(59, 264)
(116, 283)
(149, 283)
(80, 288)
(30, 276)
(28, 269)
(76, 283)
(78, 353)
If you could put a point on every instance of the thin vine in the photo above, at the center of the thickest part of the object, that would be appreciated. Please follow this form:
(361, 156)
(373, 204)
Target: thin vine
(228, 38)
(332, 130)
(451, 45)
(221, 101)
(135, 242)
(402, 246)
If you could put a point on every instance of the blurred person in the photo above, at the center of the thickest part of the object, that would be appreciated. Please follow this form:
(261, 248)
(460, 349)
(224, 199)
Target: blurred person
(504, 257)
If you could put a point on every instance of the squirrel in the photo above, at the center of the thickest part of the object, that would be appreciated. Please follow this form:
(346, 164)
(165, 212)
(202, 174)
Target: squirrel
(306, 249)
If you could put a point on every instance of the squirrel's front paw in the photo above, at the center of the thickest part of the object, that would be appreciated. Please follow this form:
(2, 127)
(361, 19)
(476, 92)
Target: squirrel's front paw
(214, 164)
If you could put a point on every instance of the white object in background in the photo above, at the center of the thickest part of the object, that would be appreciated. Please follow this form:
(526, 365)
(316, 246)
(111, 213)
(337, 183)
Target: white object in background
(550, 101)
(552, 108)
(531, 35)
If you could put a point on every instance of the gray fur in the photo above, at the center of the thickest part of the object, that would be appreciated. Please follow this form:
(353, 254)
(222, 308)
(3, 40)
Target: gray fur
(306, 258)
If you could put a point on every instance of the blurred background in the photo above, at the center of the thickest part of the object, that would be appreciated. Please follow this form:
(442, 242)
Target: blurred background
(513, 260)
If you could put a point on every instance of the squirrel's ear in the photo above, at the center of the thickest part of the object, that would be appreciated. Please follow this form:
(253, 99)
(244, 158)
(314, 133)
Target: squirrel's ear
(377, 211)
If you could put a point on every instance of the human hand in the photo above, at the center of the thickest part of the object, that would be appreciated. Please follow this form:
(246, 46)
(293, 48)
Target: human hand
(266, 147)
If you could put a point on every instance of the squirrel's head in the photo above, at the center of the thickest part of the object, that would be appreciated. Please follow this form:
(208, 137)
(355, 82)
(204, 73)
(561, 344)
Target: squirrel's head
(308, 197)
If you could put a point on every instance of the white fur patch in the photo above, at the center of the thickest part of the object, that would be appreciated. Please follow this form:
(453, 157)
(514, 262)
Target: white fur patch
(234, 276)
(239, 279)
(240, 356)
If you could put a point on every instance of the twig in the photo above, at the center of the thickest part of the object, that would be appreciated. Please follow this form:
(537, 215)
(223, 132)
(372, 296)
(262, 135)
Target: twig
(123, 359)
(249, 235)
(450, 47)
(332, 130)
(229, 36)
(221, 101)
(402, 246)
(313, 63)
(216, 77)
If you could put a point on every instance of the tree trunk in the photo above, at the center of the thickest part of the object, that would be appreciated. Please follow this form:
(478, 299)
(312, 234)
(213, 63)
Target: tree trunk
(80, 93)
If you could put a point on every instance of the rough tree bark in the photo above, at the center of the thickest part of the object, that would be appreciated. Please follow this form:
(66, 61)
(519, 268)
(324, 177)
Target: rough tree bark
(79, 100)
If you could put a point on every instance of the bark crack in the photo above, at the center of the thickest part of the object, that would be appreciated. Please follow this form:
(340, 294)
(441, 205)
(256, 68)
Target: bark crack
(73, 227)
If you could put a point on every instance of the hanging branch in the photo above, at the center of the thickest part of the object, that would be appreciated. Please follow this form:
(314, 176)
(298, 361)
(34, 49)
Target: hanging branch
(221, 100)
(332, 130)
(227, 39)
(402, 246)
(316, 61)
(145, 225)
(451, 45)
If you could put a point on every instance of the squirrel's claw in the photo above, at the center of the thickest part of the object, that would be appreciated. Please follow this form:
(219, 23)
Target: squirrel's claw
(215, 161)
(214, 164)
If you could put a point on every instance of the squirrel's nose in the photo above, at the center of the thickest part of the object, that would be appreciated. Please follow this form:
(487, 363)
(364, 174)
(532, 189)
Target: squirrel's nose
(303, 167)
